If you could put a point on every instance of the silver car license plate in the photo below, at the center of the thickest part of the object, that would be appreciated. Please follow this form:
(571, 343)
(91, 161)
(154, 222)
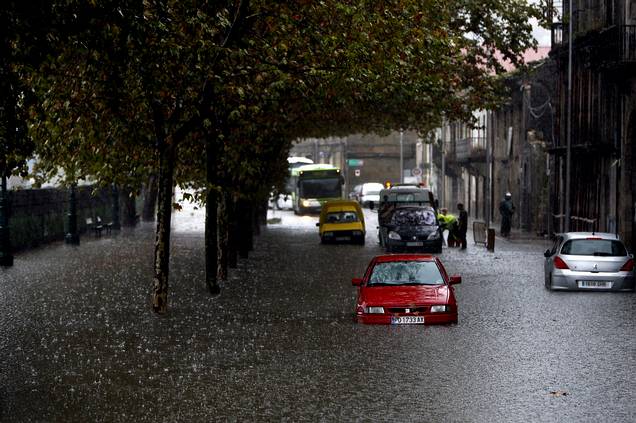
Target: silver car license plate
(594, 284)
(414, 244)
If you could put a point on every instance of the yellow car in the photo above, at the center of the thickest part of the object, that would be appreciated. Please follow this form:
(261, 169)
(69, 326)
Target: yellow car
(341, 220)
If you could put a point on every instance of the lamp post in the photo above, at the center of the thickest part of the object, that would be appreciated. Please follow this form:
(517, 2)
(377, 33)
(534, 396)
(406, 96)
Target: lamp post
(115, 207)
(6, 258)
(72, 236)
(401, 156)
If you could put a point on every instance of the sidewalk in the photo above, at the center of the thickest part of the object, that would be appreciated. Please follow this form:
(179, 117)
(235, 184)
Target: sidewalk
(516, 235)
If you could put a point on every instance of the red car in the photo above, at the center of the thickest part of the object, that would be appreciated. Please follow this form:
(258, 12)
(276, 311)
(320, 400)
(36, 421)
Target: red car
(406, 289)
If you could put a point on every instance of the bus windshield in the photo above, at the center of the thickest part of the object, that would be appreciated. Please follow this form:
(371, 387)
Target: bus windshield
(320, 188)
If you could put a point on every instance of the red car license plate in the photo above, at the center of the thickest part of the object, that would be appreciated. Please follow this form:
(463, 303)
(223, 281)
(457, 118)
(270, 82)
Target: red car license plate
(407, 320)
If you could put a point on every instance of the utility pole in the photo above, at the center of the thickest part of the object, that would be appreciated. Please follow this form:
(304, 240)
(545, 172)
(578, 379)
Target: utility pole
(442, 196)
(568, 154)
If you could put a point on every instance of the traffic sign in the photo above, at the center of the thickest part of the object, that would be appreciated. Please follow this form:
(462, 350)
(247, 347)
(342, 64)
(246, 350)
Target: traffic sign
(416, 171)
(355, 162)
(357, 172)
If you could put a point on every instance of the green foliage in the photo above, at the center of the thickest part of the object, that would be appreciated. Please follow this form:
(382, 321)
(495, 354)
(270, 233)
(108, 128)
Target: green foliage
(256, 75)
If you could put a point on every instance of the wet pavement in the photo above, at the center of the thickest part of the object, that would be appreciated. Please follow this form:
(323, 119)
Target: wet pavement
(79, 342)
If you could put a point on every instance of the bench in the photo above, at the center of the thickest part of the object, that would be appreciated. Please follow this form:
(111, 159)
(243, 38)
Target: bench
(94, 226)
(97, 226)
(106, 226)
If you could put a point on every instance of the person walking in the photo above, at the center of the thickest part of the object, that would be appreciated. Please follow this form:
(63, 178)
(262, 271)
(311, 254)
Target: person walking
(506, 209)
(462, 228)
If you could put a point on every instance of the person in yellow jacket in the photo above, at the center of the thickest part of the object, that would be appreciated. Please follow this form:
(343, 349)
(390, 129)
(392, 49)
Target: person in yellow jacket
(449, 222)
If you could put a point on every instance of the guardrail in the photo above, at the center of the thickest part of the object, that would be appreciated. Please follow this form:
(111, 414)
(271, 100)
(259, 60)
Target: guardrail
(577, 223)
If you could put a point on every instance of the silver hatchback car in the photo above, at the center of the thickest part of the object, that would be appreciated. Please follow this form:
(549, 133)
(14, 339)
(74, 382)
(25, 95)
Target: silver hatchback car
(589, 261)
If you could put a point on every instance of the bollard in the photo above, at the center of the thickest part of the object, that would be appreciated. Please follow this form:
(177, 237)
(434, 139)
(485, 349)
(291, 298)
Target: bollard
(490, 240)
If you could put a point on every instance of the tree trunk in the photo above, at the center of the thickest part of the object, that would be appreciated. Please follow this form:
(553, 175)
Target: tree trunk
(211, 218)
(223, 233)
(245, 229)
(262, 212)
(150, 199)
(256, 224)
(233, 232)
(162, 241)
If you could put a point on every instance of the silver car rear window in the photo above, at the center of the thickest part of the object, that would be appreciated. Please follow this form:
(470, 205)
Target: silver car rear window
(594, 247)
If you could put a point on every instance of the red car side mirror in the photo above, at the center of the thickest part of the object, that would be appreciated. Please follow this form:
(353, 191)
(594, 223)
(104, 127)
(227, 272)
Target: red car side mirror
(455, 279)
(356, 281)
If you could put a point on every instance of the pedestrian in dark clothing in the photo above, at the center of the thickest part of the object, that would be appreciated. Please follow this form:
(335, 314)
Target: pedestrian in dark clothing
(463, 225)
(506, 208)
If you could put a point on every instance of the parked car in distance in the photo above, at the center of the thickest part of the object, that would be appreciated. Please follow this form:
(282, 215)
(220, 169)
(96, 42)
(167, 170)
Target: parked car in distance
(369, 193)
(355, 192)
(588, 261)
(341, 220)
(412, 228)
(406, 289)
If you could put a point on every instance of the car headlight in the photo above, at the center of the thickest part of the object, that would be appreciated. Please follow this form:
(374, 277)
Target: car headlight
(306, 203)
(433, 235)
(439, 309)
(327, 234)
(374, 310)
(357, 233)
(394, 235)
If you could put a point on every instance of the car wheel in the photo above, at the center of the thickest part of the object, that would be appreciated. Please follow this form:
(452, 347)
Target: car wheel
(548, 283)
(361, 241)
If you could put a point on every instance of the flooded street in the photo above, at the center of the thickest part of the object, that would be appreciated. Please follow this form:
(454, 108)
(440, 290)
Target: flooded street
(79, 342)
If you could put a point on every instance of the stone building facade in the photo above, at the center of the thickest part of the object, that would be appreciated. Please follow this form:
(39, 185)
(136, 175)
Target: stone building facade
(603, 117)
(364, 158)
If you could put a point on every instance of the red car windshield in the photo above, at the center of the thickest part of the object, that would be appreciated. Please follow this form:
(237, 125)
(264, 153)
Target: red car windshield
(405, 273)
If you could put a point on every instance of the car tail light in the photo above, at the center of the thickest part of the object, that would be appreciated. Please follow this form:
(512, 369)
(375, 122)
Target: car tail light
(559, 263)
(628, 266)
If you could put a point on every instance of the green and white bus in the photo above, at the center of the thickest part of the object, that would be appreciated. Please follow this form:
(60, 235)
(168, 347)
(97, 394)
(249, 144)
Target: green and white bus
(314, 184)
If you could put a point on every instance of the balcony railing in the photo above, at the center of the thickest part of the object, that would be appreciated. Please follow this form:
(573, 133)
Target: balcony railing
(614, 46)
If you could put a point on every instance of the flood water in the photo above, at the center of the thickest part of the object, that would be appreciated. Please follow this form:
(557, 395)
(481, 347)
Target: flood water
(80, 343)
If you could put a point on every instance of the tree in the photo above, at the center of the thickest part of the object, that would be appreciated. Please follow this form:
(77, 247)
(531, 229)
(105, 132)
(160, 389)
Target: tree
(183, 89)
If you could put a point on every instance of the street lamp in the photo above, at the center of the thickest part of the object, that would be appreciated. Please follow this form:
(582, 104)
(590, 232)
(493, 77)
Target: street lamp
(401, 156)
(6, 258)
(72, 236)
